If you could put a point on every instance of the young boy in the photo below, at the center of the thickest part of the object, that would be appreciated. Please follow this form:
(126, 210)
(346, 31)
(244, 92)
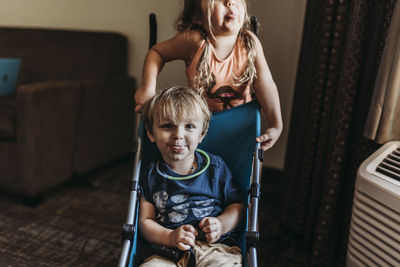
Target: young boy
(189, 199)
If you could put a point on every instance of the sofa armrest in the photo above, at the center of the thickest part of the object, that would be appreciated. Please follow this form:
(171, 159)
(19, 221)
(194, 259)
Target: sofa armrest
(46, 126)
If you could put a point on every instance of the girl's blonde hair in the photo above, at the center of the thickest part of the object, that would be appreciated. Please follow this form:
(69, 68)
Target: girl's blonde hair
(189, 20)
(176, 104)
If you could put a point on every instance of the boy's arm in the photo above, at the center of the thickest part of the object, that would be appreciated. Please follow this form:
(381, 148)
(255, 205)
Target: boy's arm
(215, 227)
(231, 216)
(149, 228)
(268, 97)
(181, 46)
(182, 237)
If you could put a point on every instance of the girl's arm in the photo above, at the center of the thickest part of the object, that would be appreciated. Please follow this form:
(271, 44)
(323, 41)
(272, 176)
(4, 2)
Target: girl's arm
(152, 66)
(182, 46)
(182, 238)
(268, 97)
(214, 227)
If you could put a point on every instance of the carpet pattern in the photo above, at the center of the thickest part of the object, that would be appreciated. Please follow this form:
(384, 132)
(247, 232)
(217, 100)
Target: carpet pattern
(76, 225)
(79, 224)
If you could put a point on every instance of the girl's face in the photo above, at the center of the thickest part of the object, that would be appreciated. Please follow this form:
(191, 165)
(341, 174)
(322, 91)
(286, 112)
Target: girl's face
(227, 16)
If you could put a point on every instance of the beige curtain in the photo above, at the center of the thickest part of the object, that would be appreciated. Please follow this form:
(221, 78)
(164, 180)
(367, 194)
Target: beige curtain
(383, 123)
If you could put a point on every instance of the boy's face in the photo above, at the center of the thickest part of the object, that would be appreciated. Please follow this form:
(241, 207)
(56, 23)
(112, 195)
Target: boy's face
(177, 140)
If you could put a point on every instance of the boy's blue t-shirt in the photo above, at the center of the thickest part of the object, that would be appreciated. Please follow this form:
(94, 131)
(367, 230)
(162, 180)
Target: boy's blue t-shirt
(179, 202)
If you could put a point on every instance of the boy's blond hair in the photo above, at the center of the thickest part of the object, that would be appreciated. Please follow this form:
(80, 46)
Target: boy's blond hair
(176, 104)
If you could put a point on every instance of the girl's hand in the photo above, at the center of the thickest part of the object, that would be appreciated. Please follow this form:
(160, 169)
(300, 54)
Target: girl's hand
(141, 97)
(269, 138)
(212, 228)
(183, 237)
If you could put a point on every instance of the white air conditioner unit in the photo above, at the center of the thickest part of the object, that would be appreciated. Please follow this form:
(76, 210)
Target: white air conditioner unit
(374, 238)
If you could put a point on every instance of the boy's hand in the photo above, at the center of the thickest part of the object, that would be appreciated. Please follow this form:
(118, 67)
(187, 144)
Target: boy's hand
(183, 237)
(269, 138)
(212, 228)
(141, 97)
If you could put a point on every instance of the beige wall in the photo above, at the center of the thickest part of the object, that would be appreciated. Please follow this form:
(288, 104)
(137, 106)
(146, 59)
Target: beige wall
(281, 23)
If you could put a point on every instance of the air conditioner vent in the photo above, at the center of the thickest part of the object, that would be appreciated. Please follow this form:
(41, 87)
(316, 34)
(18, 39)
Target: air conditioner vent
(390, 166)
(374, 236)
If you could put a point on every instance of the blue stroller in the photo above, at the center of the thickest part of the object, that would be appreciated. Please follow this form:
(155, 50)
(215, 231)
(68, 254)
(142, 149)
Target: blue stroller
(235, 143)
(231, 135)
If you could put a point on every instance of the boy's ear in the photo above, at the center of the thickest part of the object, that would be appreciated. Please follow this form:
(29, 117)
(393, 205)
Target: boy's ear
(202, 136)
(149, 135)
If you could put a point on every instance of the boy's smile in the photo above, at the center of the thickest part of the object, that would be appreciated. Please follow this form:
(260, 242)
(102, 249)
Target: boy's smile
(177, 142)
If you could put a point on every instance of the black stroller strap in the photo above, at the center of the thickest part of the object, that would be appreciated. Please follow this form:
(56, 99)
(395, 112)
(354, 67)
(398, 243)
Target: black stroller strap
(170, 253)
(192, 259)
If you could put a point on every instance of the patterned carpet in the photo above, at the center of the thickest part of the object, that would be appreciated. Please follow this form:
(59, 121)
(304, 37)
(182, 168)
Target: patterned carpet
(78, 224)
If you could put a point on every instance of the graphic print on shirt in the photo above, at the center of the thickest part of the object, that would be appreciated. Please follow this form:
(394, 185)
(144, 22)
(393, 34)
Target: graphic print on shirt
(182, 206)
(181, 211)
(160, 199)
(224, 94)
(204, 209)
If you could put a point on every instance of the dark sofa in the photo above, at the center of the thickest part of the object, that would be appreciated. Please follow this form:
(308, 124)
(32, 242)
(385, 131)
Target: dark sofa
(72, 111)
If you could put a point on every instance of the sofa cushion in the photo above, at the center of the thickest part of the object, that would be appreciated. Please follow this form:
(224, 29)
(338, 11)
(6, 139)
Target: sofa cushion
(106, 118)
(7, 118)
(72, 111)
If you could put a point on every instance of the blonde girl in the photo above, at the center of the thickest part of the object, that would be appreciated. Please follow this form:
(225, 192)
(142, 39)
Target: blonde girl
(224, 61)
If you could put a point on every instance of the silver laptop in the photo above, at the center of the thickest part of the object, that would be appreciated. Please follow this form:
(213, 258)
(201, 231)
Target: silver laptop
(9, 69)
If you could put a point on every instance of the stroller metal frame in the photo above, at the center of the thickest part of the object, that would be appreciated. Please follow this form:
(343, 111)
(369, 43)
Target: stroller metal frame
(129, 229)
